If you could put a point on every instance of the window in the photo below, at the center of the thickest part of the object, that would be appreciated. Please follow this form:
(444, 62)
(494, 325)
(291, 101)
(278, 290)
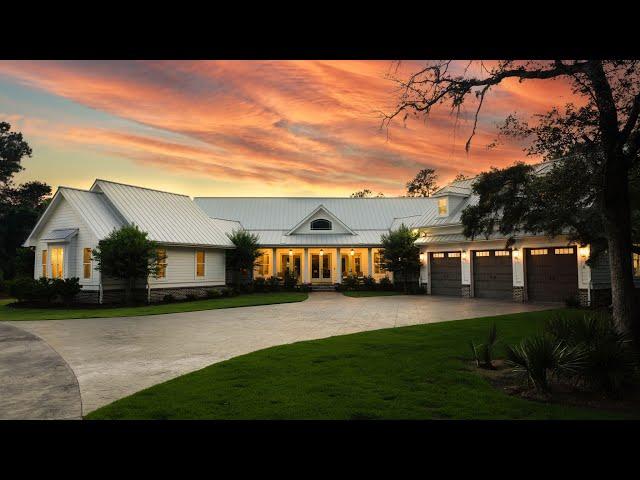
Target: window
(564, 251)
(86, 262)
(540, 251)
(57, 262)
(443, 207)
(321, 224)
(161, 271)
(636, 265)
(44, 263)
(438, 255)
(199, 263)
(378, 263)
(264, 265)
(502, 253)
(453, 254)
(482, 254)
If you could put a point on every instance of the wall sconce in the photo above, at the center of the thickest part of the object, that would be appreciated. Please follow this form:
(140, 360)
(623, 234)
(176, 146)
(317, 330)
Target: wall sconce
(584, 251)
(352, 252)
(516, 253)
(321, 252)
(421, 258)
(290, 252)
(464, 254)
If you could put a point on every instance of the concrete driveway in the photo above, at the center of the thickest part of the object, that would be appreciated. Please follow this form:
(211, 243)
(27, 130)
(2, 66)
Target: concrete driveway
(115, 357)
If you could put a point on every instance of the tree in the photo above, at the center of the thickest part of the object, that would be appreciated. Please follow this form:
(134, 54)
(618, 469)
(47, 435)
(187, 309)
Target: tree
(242, 259)
(20, 206)
(460, 177)
(423, 184)
(400, 254)
(127, 254)
(604, 131)
(366, 193)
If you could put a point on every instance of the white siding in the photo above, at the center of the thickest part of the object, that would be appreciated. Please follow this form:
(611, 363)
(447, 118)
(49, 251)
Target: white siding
(181, 268)
(64, 216)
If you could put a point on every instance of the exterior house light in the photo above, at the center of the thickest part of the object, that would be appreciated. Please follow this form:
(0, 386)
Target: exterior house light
(352, 252)
(290, 252)
(516, 253)
(464, 254)
(584, 252)
(321, 252)
(421, 257)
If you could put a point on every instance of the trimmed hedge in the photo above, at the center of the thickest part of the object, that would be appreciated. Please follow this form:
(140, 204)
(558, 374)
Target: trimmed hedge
(45, 291)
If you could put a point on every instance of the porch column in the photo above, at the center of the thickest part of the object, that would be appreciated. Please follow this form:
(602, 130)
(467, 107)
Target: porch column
(338, 266)
(274, 270)
(305, 266)
(370, 261)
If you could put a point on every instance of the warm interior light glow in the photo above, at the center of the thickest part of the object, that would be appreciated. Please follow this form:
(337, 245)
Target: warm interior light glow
(421, 257)
(290, 252)
(584, 252)
(321, 252)
(516, 253)
(464, 254)
(352, 252)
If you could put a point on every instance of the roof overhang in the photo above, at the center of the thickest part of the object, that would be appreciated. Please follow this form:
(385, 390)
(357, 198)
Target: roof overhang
(61, 235)
(329, 214)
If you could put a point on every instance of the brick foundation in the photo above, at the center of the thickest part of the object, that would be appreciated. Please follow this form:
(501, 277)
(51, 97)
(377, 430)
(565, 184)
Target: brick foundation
(157, 294)
(583, 297)
(87, 296)
(518, 294)
(466, 291)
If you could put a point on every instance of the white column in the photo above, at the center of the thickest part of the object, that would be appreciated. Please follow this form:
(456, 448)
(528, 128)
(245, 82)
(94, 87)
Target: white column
(465, 263)
(274, 270)
(370, 261)
(306, 264)
(338, 266)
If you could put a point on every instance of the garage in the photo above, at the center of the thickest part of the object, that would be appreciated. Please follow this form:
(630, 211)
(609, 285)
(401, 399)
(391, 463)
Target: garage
(446, 273)
(552, 274)
(493, 274)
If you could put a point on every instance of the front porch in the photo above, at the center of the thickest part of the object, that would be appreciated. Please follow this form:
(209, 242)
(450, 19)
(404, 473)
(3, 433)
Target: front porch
(320, 265)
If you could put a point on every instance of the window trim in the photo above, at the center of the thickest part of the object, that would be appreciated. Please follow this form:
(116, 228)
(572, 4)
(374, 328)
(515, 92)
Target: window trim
(44, 259)
(163, 265)
(313, 222)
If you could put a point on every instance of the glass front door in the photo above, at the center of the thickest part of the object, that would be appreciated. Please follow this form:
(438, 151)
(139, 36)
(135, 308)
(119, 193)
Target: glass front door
(291, 263)
(321, 268)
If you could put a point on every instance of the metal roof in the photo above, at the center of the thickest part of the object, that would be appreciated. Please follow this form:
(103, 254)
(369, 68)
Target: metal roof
(280, 213)
(61, 234)
(94, 208)
(166, 217)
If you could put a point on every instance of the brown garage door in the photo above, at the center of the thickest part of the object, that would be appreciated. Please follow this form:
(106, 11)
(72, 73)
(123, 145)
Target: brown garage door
(493, 274)
(552, 273)
(446, 274)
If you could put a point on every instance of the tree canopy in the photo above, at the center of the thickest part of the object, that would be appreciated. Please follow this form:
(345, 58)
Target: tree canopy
(241, 259)
(366, 193)
(400, 254)
(423, 184)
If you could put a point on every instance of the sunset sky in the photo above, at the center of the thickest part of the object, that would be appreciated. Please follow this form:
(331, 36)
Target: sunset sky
(246, 128)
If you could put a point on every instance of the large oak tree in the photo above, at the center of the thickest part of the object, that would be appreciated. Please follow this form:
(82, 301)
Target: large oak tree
(603, 130)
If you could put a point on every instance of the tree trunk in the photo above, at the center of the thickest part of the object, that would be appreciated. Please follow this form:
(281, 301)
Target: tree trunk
(617, 226)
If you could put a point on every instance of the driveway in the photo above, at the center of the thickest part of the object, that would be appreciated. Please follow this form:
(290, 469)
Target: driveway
(115, 357)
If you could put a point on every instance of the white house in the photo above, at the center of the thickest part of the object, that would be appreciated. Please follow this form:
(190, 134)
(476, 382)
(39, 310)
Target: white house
(192, 244)
(320, 240)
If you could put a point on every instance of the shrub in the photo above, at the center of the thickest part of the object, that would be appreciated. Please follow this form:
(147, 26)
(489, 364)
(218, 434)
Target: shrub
(304, 287)
(415, 289)
(484, 351)
(168, 298)
(214, 293)
(44, 290)
(191, 296)
(66, 289)
(290, 280)
(572, 301)
(260, 284)
(351, 282)
(385, 284)
(369, 283)
(541, 357)
(609, 362)
(274, 284)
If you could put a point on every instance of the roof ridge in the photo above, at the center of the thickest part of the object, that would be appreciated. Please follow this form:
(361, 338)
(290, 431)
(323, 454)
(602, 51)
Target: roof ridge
(316, 198)
(142, 188)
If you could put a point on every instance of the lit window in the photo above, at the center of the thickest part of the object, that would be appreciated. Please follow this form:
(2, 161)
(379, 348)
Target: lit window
(161, 270)
(443, 209)
(502, 253)
(321, 224)
(564, 251)
(86, 262)
(438, 255)
(57, 262)
(199, 263)
(264, 264)
(44, 263)
(378, 263)
(482, 254)
(453, 254)
(636, 265)
(540, 251)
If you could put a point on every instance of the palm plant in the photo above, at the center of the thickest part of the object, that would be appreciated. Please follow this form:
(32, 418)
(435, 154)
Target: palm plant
(241, 259)
(485, 350)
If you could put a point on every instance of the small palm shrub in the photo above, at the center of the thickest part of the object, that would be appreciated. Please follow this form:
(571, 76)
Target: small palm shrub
(610, 362)
(351, 282)
(541, 357)
(385, 284)
(483, 353)
(369, 283)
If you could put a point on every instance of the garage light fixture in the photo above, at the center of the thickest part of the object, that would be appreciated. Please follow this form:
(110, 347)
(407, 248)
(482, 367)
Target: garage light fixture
(421, 257)
(321, 252)
(516, 253)
(464, 254)
(584, 252)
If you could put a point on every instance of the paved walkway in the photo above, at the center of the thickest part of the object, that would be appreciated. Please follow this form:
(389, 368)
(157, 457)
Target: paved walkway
(35, 382)
(115, 357)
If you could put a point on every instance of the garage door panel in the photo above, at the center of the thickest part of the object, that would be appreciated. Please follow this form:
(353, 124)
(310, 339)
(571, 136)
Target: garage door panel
(552, 276)
(492, 274)
(446, 275)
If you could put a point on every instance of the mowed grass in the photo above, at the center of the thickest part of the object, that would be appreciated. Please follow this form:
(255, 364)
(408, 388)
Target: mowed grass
(417, 372)
(17, 314)
(372, 293)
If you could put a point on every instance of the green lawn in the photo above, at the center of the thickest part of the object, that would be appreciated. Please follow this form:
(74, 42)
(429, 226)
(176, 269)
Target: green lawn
(8, 313)
(417, 372)
(367, 293)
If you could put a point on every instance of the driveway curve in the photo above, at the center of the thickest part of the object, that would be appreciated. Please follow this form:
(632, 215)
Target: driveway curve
(115, 357)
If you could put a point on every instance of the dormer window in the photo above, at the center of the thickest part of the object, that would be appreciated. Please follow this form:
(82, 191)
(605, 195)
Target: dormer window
(443, 207)
(321, 224)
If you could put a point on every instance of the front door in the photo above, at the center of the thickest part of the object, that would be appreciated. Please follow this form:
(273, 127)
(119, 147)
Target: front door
(320, 268)
(290, 263)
